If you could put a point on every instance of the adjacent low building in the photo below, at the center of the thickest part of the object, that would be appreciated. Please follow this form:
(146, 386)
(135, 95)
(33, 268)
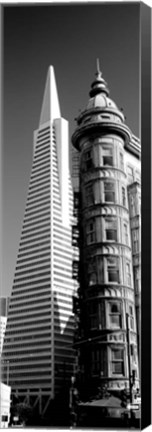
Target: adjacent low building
(5, 404)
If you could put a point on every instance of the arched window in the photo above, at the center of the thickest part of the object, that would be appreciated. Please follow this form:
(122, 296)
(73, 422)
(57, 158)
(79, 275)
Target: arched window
(114, 308)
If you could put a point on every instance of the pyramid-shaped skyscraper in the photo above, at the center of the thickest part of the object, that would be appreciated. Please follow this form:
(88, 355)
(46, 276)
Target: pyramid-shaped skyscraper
(38, 346)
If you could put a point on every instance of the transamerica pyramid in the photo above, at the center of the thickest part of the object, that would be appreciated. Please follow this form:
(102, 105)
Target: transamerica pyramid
(38, 345)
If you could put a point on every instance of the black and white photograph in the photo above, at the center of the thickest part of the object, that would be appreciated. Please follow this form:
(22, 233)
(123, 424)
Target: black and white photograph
(71, 294)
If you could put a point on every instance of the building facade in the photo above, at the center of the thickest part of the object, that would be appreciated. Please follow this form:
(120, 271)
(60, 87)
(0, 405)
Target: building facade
(39, 335)
(107, 149)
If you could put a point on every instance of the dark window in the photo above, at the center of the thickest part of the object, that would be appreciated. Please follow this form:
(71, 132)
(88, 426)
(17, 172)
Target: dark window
(90, 229)
(126, 234)
(118, 362)
(135, 235)
(97, 361)
(4, 418)
(113, 270)
(89, 195)
(130, 174)
(93, 315)
(132, 206)
(88, 160)
(123, 196)
(115, 314)
(76, 203)
(107, 156)
(111, 229)
(121, 161)
(109, 189)
(92, 278)
(128, 274)
(111, 234)
(131, 314)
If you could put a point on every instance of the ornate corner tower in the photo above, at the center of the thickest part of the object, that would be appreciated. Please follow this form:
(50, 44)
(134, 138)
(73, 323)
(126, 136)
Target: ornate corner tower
(108, 339)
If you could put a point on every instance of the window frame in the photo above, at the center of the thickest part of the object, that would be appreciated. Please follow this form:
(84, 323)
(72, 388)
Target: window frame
(128, 274)
(110, 191)
(114, 268)
(126, 234)
(129, 175)
(88, 159)
(123, 192)
(135, 240)
(89, 194)
(105, 156)
(111, 220)
(118, 314)
(131, 317)
(121, 161)
(91, 233)
(94, 315)
(116, 361)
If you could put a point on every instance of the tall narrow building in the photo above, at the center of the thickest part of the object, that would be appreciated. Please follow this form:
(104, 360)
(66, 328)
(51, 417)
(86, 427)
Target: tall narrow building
(39, 334)
(107, 329)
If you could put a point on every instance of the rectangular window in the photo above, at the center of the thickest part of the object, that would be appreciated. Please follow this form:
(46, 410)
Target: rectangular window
(123, 196)
(128, 274)
(113, 269)
(98, 361)
(121, 161)
(118, 362)
(4, 418)
(130, 174)
(135, 236)
(93, 315)
(111, 229)
(137, 287)
(107, 155)
(126, 239)
(133, 352)
(76, 203)
(115, 314)
(132, 206)
(131, 315)
(92, 278)
(90, 229)
(109, 191)
(89, 195)
(88, 159)
(92, 273)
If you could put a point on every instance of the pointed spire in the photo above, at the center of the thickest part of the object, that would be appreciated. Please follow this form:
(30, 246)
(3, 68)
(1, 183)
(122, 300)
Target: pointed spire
(50, 106)
(99, 85)
(98, 73)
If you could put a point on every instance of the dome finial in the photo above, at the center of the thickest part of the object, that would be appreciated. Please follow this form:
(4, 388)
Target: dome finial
(98, 67)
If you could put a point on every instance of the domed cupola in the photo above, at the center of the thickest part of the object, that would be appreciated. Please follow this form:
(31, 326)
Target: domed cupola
(100, 112)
